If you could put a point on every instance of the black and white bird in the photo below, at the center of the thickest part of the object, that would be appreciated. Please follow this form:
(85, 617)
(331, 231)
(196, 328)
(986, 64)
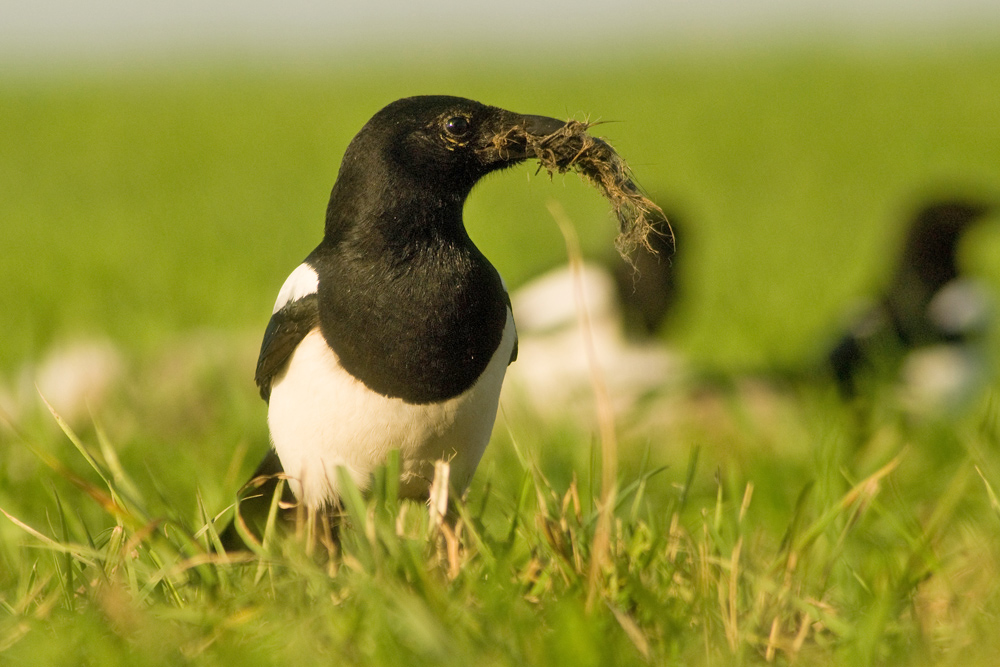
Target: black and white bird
(927, 307)
(395, 332)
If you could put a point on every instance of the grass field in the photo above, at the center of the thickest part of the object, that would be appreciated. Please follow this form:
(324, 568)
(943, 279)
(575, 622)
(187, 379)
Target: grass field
(755, 520)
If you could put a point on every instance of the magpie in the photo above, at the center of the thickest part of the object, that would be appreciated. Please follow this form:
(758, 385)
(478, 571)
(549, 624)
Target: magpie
(647, 288)
(395, 333)
(926, 302)
(553, 376)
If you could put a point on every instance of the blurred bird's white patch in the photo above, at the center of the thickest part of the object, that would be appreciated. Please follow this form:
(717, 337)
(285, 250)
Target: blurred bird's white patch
(961, 307)
(552, 372)
(77, 376)
(941, 378)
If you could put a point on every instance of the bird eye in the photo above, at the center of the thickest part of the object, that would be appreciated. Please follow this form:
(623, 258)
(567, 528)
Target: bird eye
(457, 125)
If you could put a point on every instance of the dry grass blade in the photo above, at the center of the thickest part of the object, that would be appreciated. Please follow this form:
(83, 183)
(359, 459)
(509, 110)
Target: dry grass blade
(600, 549)
(994, 503)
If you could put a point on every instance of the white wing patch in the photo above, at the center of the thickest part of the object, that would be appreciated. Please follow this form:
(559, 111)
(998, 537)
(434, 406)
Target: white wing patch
(302, 282)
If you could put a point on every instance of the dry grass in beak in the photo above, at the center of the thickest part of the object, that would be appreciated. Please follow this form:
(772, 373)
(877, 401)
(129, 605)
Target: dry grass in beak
(572, 148)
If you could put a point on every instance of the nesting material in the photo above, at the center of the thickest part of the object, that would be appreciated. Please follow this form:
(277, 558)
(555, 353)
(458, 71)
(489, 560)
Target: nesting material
(572, 148)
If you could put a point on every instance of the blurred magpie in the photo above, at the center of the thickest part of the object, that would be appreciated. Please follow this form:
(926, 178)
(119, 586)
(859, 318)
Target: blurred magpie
(648, 287)
(396, 331)
(926, 302)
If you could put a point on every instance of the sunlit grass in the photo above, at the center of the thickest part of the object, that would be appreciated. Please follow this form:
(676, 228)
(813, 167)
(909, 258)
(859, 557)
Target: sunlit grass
(753, 520)
(778, 530)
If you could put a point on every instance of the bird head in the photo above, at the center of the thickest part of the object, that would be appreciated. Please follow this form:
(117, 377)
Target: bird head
(443, 143)
(933, 238)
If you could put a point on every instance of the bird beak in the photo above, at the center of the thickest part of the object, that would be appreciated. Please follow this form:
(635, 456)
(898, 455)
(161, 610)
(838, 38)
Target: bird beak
(515, 137)
(542, 126)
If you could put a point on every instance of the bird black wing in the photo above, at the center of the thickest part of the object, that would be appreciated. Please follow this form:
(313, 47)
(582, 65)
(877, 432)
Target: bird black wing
(284, 332)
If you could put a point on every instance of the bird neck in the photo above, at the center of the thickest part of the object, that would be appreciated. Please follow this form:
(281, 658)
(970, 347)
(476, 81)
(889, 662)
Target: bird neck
(393, 216)
(411, 306)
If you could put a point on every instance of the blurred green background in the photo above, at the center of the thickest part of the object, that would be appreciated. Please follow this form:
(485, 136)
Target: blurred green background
(145, 197)
(143, 202)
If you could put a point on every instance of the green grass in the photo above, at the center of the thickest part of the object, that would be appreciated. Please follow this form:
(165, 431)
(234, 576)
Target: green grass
(754, 521)
(754, 524)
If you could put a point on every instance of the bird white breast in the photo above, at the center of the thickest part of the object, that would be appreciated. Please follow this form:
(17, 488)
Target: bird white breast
(322, 417)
